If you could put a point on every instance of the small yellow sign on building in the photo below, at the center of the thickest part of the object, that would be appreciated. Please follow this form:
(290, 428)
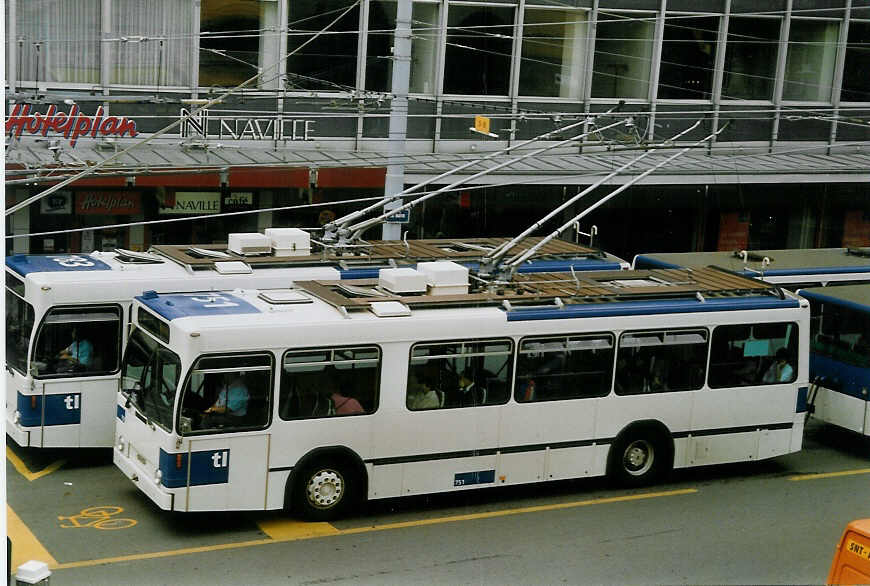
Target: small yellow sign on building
(481, 124)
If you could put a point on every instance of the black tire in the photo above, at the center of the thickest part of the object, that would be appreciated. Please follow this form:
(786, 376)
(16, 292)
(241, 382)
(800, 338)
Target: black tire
(639, 457)
(323, 490)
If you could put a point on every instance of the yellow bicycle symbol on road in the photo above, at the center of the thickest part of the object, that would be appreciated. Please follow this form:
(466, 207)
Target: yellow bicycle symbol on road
(98, 518)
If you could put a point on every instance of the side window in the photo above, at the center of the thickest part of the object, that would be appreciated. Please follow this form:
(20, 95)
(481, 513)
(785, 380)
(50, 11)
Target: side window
(330, 381)
(839, 333)
(759, 354)
(226, 393)
(572, 367)
(658, 362)
(459, 374)
(79, 342)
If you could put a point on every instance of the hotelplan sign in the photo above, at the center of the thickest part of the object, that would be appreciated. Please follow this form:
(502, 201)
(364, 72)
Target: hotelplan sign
(245, 128)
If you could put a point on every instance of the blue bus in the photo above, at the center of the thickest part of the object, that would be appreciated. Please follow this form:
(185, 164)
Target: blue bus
(790, 268)
(840, 355)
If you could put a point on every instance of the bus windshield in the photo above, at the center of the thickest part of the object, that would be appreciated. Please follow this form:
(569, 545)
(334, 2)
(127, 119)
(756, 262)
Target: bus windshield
(19, 325)
(80, 341)
(149, 377)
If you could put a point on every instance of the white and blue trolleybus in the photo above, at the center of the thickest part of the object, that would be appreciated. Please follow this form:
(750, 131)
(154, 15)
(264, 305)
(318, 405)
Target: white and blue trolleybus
(68, 315)
(840, 355)
(791, 268)
(420, 381)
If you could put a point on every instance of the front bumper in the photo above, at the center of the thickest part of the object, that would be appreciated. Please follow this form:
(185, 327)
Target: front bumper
(143, 481)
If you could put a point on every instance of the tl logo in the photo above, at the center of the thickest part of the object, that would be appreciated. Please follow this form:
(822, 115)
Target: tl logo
(72, 402)
(221, 459)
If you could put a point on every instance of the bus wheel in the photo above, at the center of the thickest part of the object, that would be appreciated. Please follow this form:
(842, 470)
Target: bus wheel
(323, 491)
(638, 458)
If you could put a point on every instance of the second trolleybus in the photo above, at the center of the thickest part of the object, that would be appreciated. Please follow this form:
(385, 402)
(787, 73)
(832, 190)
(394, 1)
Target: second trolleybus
(82, 302)
(790, 268)
(840, 355)
(369, 389)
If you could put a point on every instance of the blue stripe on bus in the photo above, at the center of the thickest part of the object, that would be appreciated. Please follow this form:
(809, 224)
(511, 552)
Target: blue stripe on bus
(361, 273)
(29, 410)
(650, 308)
(206, 467)
(817, 270)
(649, 262)
(177, 305)
(562, 266)
(839, 376)
(122, 413)
(52, 263)
(535, 266)
(802, 400)
(831, 298)
(59, 409)
(469, 478)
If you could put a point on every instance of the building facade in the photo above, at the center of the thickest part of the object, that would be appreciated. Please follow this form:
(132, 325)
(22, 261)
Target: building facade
(317, 101)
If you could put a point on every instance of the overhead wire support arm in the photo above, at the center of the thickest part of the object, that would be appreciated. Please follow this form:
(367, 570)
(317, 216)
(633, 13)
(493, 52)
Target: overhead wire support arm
(490, 261)
(518, 259)
(338, 228)
(357, 229)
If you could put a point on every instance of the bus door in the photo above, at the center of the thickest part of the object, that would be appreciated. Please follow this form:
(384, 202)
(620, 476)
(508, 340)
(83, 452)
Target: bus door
(225, 410)
(76, 357)
(226, 473)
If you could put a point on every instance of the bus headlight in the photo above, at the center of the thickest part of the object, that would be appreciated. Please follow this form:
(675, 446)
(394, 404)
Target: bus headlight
(16, 417)
(121, 443)
(158, 476)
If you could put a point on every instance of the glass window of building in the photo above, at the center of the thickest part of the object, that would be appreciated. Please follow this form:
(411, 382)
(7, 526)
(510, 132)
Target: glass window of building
(379, 45)
(478, 53)
(152, 43)
(328, 62)
(229, 42)
(811, 60)
(856, 81)
(58, 41)
(688, 57)
(424, 47)
(554, 53)
(750, 58)
(623, 54)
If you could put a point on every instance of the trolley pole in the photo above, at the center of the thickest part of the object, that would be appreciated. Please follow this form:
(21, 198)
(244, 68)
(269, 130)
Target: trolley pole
(395, 180)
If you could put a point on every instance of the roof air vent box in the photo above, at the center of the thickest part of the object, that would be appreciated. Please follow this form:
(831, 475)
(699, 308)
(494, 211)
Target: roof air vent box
(402, 280)
(246, 243)
(289, 241)
(445, 277)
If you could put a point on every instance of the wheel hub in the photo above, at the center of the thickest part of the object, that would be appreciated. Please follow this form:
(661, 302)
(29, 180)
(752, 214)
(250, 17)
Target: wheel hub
(638, 458)
(325, 489)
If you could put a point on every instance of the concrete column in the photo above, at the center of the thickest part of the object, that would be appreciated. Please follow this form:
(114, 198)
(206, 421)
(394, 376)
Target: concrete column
(395, 180)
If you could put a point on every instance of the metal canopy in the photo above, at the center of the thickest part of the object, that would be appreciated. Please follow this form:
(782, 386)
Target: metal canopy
(561, 166)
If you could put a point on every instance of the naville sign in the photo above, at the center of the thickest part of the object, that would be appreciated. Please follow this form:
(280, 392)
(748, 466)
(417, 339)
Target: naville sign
(71, 125)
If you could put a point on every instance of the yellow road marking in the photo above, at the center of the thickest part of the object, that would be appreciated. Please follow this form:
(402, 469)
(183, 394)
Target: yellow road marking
(520, 511)
(285, 531)
(22, 468)
(25, 546)
(830, 474)
(163, 554)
